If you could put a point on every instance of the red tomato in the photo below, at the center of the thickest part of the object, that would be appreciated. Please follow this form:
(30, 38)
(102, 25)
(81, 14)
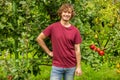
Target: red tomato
(92, 46)
(98, 49)
(101, 53)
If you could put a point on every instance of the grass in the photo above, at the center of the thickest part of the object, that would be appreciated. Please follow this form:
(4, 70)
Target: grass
(105, 73)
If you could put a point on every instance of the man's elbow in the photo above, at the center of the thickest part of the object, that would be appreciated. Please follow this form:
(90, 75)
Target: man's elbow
(38, 39)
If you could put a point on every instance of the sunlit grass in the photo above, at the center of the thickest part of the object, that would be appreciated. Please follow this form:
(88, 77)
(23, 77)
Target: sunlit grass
(105, 73)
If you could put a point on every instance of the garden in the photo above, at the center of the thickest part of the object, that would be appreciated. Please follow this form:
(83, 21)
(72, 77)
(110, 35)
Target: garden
(21, 21)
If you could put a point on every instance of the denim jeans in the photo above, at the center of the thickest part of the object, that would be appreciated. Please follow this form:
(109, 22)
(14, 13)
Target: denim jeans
(58, 73)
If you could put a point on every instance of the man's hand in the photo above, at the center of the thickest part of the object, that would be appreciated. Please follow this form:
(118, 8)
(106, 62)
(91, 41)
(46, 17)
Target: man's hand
(50, 54)
(78, 72)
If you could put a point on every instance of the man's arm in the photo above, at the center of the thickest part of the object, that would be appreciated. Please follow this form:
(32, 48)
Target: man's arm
(41, 42)
(78, 58)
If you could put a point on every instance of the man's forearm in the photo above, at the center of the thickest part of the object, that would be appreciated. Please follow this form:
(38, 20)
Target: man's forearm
(43, 45)
(78, 55)
(78, 58)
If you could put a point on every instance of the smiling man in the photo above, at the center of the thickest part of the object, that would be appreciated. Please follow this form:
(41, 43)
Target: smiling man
(66, 41)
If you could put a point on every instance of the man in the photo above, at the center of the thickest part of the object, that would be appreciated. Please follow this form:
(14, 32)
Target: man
(66, 41)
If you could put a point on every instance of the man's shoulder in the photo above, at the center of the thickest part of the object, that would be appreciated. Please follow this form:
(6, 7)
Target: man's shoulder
(75, 28)
(52, 25)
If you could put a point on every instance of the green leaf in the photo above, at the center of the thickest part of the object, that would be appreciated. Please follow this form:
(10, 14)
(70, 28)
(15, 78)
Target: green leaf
(2, 26)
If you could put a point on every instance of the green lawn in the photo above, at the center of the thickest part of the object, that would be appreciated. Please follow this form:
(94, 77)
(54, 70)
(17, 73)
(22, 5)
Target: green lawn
(105, 73)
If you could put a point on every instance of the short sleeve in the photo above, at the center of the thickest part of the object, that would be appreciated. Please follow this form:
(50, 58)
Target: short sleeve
(77, 38)
(48, 31)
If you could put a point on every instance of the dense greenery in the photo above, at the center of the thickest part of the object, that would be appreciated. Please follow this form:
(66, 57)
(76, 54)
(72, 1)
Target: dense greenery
(21, 21)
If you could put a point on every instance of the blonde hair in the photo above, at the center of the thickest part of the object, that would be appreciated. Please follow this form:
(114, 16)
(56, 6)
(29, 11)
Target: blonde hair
(66, 6)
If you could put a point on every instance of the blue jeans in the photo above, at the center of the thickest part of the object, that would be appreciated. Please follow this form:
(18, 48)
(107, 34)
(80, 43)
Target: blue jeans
(58, 73)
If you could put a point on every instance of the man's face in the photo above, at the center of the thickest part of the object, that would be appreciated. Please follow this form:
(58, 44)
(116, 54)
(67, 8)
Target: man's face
(66, 14)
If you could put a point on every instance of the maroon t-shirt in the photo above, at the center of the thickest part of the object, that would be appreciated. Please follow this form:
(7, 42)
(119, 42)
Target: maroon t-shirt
(63, 40)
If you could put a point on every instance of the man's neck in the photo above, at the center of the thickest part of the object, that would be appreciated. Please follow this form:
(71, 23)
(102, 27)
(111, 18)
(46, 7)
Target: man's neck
(65, 23)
